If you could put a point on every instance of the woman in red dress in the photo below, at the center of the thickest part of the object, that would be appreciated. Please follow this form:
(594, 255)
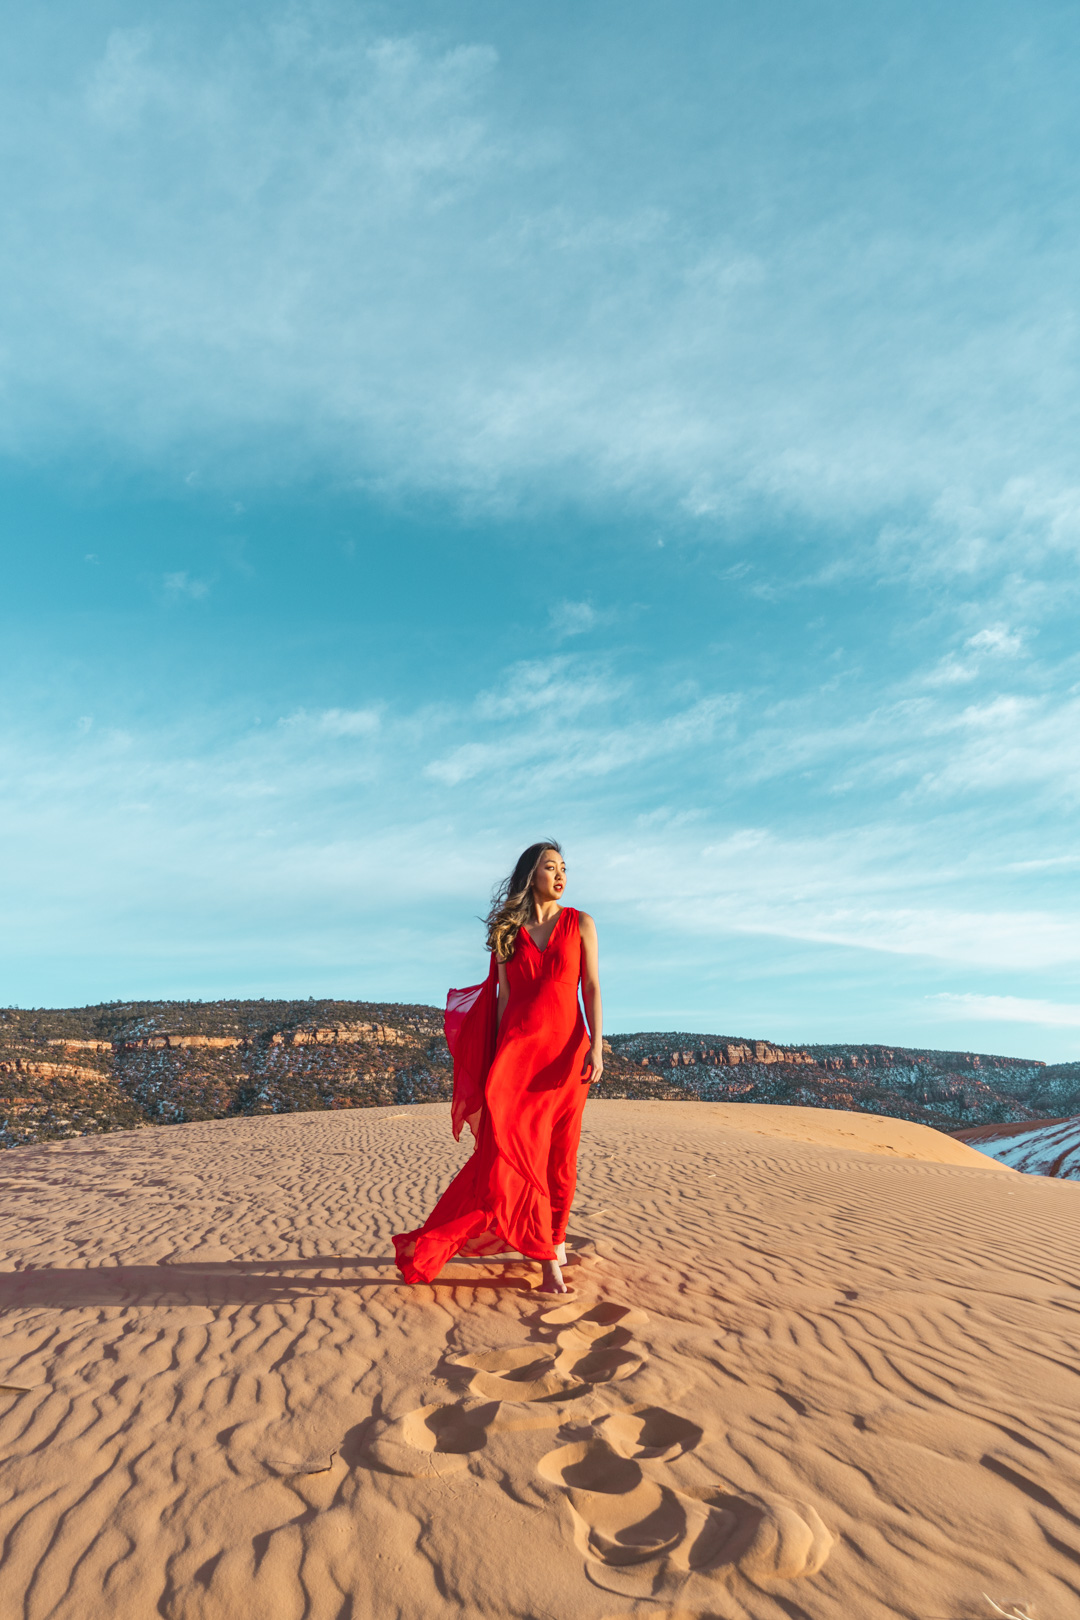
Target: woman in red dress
(523, 1060)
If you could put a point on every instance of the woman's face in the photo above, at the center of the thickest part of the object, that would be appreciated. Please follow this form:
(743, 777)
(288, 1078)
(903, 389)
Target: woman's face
(549, 880)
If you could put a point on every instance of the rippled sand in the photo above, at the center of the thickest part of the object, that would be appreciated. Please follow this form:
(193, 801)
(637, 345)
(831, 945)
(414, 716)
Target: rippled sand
(815, 1365)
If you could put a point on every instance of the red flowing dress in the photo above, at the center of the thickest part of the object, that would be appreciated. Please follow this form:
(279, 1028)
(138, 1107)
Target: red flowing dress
(522, 1093)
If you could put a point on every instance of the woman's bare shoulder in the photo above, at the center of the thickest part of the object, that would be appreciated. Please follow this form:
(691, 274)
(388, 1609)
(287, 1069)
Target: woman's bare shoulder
(585, 922)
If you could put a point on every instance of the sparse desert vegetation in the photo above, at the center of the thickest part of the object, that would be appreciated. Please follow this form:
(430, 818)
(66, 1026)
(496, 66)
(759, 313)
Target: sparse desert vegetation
(75, 1071)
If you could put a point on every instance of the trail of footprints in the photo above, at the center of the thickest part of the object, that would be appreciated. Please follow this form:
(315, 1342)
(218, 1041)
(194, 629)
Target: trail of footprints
(640, 1534)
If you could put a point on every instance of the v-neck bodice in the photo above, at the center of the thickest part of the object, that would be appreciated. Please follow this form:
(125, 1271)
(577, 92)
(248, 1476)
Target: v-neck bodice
(529, 967)
(554, 930)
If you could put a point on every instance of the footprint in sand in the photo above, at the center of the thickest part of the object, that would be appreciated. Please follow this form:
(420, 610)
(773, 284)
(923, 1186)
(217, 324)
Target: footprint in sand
(594, 1345)
(593, 1322)
(640, 1534)
(519, 1374)
(620, 1516)
(629, 1519)
(649, 1432)
(432, 1440)
(584, 1348)
(643, 1537)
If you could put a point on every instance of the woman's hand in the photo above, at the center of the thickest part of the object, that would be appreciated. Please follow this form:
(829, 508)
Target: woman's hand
(596, 1059)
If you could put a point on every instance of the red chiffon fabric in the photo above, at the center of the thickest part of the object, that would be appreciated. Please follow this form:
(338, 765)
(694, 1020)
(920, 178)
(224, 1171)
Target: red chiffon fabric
(522, 1095)
(469, 1023)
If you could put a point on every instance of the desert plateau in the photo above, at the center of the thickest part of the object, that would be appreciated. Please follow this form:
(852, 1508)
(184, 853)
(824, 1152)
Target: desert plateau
(815, 1364)
(77, 1071)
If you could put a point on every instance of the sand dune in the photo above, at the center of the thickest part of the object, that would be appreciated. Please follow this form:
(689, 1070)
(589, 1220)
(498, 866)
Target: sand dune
(816, 1367)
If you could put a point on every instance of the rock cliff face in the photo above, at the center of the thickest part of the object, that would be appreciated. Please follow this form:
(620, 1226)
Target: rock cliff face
(79, 1046)
(168, 1062)
(70, 1071)
(944, 1089)
(667, 1051)
(46, 1071)
(334, 1035)
(731, 1054)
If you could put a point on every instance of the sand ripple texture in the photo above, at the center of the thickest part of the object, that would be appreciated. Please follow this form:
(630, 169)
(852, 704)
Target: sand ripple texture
(814, 1367)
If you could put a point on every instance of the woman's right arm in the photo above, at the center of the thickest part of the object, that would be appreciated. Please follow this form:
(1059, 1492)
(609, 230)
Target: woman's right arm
(504, 994)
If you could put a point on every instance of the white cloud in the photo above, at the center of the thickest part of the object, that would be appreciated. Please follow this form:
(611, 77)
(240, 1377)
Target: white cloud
(996, 639)
(559, 753)
(993, 642)
(1009, 1010)
(1049, 863)
(182, 585)
(951, 671)
(335, 722)
(346, 835)
(1009, 741)
(930, 740)
(124, 81)
(294, 244)
(877, 889)
(556, 687)
(468, 761)
(573, 618)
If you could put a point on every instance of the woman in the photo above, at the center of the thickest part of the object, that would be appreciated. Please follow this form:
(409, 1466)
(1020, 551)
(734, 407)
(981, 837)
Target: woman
(523, 1060)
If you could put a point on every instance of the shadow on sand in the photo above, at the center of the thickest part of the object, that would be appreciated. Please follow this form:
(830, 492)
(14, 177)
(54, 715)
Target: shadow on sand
(231, 1282)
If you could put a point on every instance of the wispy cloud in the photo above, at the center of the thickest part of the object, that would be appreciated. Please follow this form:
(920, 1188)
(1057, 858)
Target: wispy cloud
(300, 243)
(334, 722)
(324, 790)
(789, 401)
(556, 687)
(875, 889)
(578, 618)
(181, 586)
(995, 639)
(1008, 740)
(561, 752)
(1009, 1010)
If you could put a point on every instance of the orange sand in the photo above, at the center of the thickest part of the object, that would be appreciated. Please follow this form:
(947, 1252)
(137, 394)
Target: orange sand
(817, 1366)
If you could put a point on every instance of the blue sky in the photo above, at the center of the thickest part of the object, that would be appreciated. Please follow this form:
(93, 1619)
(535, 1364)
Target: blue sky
(429, 427)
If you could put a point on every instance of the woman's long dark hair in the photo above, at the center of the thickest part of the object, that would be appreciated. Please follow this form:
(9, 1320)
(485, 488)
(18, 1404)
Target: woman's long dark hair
(512, 904)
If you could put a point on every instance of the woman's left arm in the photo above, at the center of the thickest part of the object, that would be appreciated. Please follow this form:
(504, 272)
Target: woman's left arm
(590, 993)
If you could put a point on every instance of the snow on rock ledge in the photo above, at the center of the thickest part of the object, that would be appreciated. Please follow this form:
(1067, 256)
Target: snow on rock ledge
(1039, 1148)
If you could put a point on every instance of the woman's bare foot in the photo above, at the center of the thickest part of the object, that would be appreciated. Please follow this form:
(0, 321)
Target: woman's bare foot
(552, 1280)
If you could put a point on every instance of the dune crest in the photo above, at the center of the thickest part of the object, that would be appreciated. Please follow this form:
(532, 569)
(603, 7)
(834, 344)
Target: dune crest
(860, 1133)
(814, 1364)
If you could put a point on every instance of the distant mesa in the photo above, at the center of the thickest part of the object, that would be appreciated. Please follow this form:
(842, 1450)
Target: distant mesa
(10, 1066)
(732, 1053)
(341, 1034)
(76, 1071)
(161, 1041)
